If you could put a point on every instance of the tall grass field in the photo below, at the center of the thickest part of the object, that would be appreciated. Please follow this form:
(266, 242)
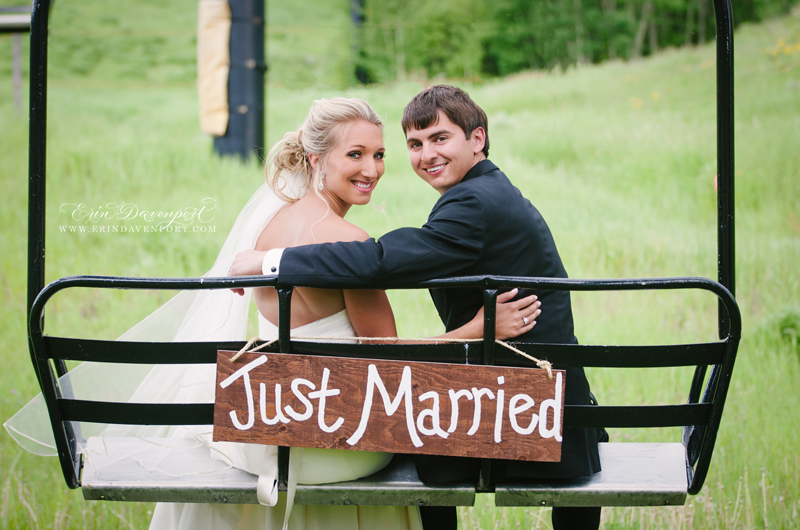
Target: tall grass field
(620, 159)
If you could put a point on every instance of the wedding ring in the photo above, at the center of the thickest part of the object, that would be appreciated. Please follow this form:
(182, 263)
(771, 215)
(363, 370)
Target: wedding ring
(524, 321)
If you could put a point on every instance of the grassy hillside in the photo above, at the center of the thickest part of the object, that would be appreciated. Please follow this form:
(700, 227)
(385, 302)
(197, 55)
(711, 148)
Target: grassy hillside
(620, 159)
(153, 42)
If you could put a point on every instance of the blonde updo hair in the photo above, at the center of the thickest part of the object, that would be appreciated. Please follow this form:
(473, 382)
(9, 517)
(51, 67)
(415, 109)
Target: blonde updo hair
(288, 171)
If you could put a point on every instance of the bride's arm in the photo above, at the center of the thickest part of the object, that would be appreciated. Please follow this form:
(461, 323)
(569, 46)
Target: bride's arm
(369, 309)
(512, 318)
(371, 316)
(370, 313)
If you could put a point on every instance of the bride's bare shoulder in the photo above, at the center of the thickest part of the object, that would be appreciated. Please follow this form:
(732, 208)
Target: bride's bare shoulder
(303, 224)
(337, 229)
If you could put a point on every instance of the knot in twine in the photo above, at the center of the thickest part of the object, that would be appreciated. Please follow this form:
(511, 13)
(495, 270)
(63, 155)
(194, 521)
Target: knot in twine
(544, 365)
(246, 348)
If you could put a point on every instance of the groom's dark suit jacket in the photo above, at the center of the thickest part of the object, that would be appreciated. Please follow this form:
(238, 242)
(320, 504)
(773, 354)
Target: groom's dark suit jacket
(483, 225)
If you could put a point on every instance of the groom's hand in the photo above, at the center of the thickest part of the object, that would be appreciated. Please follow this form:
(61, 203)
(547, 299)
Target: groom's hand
(246, 263)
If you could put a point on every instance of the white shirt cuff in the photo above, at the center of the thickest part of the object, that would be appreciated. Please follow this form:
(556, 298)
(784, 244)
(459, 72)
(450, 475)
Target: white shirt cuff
(272, 262)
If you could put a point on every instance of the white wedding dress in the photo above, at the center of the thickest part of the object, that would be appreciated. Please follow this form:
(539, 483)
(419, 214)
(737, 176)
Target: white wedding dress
(306, 466)
(215, 315)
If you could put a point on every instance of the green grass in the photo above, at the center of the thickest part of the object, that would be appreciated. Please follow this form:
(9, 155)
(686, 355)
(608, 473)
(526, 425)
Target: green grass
(157, 40)
(620, 158)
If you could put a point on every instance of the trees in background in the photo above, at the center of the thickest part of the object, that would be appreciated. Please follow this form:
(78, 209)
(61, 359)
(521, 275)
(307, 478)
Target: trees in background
(439, 38)
(473, 38)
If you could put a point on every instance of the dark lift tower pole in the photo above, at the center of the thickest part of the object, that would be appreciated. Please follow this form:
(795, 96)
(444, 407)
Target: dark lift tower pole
(357, 16)
(245, 133)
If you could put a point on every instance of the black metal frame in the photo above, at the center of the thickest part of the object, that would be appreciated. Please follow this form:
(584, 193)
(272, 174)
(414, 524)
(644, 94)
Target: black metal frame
(700, 416)
(244, 135)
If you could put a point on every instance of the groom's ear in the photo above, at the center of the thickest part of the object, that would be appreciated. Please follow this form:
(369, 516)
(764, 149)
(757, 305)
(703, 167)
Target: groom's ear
(478, 139)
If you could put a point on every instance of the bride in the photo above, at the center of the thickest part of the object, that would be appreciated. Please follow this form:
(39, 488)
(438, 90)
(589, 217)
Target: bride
(314, 175)
(332, 162)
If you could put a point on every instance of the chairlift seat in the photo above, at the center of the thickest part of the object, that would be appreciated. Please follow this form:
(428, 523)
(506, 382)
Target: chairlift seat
(131, 479)
(634, 474)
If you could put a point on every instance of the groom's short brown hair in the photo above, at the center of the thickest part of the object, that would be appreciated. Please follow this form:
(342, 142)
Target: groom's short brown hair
(422, 111)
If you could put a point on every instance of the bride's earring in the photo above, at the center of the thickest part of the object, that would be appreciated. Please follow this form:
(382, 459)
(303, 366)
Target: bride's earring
(321, 184)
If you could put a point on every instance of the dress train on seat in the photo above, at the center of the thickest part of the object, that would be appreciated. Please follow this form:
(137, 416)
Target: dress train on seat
(307, 466)
(209, 316)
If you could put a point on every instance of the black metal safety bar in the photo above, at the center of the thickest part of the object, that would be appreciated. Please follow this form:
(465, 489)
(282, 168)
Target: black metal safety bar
(699, 417)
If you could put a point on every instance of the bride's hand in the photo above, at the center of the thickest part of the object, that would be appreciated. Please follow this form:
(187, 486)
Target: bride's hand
(513, 318)
(247, 263)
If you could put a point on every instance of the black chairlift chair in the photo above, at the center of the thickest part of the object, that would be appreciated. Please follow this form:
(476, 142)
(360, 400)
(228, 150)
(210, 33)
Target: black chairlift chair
(634, 474)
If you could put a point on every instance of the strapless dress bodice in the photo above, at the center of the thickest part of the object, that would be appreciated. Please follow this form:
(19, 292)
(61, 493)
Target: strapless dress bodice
(337, 326)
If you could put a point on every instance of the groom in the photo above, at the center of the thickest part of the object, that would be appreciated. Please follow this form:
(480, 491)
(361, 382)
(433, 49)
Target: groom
(480, 225)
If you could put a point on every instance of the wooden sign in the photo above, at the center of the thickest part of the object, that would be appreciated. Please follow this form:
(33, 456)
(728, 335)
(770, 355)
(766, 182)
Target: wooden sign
(391, 406)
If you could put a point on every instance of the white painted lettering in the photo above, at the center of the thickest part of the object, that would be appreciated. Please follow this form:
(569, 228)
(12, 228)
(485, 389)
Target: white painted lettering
(498, 416)
(403, 390)
(514, 409)
(279, 417)
(433, 412)
(322, 394)
(309, 407)
(554, 404)
(476, 418)
(454, 397)
(244, 373)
